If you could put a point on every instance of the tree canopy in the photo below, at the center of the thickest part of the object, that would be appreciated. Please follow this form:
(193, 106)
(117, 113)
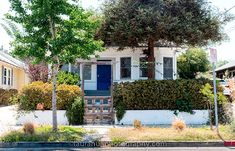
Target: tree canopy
(133, 23)
(74, 30)
(191, 62)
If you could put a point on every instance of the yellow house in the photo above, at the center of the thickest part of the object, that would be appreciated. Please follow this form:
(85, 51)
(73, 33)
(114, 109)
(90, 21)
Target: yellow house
(13, 72)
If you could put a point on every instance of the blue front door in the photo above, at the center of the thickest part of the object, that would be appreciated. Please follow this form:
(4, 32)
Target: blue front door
(103, 77)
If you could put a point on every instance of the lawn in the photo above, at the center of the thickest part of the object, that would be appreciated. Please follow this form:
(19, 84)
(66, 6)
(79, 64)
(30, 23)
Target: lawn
(44, 133)
(168, 134)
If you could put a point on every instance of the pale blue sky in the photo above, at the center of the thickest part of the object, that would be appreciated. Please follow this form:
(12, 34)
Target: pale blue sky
(226, 50)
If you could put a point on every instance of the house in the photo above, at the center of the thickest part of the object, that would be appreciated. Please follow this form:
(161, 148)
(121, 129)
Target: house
(122, 66)
(13, 74)
(113, 66)
(226, 71)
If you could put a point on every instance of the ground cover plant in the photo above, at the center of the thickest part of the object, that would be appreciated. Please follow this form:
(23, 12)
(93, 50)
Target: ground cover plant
(45, 133)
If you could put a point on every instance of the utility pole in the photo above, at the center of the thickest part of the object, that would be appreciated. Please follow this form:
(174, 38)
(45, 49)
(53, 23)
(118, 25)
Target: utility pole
(213, 56)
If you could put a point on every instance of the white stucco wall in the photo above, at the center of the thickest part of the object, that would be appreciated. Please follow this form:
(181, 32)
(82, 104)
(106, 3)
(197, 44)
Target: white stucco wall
(147, 117)
(153, 117)
(115, 55)
(42, 118)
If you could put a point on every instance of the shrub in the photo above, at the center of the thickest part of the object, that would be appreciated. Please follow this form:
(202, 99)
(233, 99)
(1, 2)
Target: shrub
(39, 92)
(75, 113)
(159, 94)
(137, 124)
(178, 124)
(29, 128)
(6, 95)
(64, 77)
(232, 127)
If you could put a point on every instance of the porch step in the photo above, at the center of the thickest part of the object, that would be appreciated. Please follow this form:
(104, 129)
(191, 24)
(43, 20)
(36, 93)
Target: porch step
(97, 93)
(98, 110)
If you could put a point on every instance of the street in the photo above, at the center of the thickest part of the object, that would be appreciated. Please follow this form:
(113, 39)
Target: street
(124, 149)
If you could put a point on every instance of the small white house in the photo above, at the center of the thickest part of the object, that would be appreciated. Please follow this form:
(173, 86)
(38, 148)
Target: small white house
(127, 66)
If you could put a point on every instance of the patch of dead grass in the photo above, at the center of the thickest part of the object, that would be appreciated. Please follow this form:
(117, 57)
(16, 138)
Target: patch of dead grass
(168, 134)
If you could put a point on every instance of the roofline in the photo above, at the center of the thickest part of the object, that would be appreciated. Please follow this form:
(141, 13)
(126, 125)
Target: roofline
(11, 64)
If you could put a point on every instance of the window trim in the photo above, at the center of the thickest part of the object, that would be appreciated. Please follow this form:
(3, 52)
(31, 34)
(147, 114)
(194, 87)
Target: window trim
(163, 67)
(8, 76)
(84, 72)
(128, 78)
(143, 77)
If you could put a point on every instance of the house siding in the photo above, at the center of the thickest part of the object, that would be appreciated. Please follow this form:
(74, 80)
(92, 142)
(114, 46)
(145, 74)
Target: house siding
(20, 78)
(115, 55)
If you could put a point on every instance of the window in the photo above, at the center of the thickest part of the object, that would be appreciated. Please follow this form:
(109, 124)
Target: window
(65, 67)
(126, 67)
(105, 101)
(7, 76)
(143, 67)
(89, 102)
(87, 72)
(167, 68)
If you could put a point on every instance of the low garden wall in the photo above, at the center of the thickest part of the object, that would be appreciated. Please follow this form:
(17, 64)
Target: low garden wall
(153, 117)
(42, 117)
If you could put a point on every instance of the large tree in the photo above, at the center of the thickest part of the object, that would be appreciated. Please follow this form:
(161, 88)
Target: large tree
(131, 23)
(55, 32)
(191, 62)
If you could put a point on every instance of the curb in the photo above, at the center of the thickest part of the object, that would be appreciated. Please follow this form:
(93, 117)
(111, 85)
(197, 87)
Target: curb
(110, 144)
(229, 143)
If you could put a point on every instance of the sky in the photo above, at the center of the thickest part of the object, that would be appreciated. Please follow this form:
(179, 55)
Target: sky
(226, 50)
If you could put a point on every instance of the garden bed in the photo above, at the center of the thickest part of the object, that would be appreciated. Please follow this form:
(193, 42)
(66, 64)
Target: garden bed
(168, 134)
(45, 134)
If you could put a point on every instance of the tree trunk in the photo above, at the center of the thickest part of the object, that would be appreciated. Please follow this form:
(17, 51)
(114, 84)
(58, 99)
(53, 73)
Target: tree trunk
(151, 59)
(55, 68)
(54, 99)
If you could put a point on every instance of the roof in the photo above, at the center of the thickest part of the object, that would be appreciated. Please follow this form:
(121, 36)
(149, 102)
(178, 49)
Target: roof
(7, 58)
(226, 66)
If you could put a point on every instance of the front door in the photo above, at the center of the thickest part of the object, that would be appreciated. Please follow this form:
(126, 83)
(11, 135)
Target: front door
(103, 77)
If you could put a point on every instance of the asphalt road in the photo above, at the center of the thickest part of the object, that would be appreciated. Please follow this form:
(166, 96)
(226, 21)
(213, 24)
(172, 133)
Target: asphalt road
(125, 149)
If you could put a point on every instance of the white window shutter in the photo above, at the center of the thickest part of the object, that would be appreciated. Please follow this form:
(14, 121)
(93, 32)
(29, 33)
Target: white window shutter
(2, 75)
(12, 77)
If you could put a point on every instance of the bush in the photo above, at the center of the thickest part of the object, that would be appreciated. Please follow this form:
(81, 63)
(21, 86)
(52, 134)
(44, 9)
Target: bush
(232, 127)
(39, 92)
(159, 94)
(6, 96)
(178, 124)
(137, 124)
(75, 113)
(64, 77)
(225, 113)
(29, 128)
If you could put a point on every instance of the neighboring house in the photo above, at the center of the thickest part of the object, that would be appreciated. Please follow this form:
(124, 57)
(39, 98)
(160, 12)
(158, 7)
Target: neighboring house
(115, 66)
(226, 71)
(13, 75)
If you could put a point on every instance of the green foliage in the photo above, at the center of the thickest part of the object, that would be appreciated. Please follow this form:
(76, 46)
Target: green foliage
(120, 110)
(232, 127)
(44, 133)
(193, 61)
(6, 96)
(39, 92)
(74, 36)
(184, 105)
(75, 113)
(64, 77)
(181, 22)
(158, 95)
(225, 113)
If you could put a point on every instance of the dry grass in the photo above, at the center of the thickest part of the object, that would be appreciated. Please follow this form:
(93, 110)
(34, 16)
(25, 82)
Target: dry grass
(168, 134)
(178, 124)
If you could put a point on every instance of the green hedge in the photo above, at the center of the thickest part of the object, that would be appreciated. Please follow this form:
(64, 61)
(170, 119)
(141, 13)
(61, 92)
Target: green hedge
(6, 95)
(160, 94)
